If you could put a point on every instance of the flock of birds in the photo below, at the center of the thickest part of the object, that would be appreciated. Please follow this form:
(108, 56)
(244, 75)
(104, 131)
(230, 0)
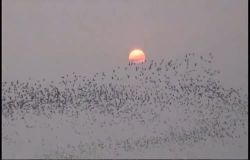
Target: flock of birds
(140, 93)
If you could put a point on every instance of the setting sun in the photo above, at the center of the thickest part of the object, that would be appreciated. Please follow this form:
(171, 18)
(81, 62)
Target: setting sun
(136, 56)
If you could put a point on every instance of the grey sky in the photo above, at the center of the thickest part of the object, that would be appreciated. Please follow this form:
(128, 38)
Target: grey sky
(44, 38)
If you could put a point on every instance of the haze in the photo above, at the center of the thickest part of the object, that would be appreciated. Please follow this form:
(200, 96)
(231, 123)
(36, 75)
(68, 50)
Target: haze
(47, 39)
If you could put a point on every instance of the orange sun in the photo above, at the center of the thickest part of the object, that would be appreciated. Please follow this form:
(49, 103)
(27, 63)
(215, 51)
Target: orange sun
(136, 56)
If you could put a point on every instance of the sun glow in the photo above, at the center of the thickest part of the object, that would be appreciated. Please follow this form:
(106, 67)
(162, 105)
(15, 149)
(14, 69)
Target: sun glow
(137, 56)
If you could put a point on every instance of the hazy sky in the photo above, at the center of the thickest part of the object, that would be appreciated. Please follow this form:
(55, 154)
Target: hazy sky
(48, 38)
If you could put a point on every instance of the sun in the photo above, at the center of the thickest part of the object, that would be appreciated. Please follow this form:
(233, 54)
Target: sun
(137, 56)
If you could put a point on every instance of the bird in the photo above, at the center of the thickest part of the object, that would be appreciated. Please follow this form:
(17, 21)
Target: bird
(143, 94)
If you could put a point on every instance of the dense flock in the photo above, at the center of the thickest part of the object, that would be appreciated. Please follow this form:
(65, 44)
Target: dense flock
(179, 102)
